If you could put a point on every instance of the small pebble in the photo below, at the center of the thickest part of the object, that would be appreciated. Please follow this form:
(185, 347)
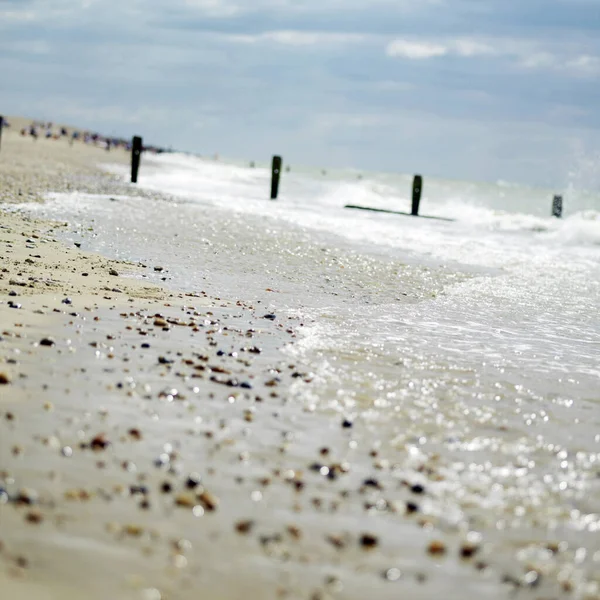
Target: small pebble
(392, 574)
(468, 550)
(244, 527)
(209, 501)
(135, 434)
(193, 481)
(411, 507)
(26, 496)
(99, 442)
(34, 517)
(134, 530)
(436, 548)
(368, 541)
(4, 379)
(185, 500)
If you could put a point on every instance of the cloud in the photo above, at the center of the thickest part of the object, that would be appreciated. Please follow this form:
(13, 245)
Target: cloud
(470, 47)
(585, 64)
(416, 50)
(17, 15)
(298, 38)
(230, 8)
(520, 53)
(214, 8)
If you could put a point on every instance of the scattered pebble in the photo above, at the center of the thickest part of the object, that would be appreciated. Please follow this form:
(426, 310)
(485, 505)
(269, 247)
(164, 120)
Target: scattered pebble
(368, 541)
(244, 527)
(99, 442)
(468, 550)
(135, 434)
(34, 517)
(436, 548)
(392, 574)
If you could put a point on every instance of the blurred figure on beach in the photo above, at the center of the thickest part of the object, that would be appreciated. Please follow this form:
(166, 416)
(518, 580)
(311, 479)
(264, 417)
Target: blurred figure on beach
(50, 131)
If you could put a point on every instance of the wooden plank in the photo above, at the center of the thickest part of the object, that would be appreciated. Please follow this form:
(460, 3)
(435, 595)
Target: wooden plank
(396, 212)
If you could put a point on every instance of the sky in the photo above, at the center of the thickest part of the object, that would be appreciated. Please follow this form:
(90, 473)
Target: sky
(464, 89)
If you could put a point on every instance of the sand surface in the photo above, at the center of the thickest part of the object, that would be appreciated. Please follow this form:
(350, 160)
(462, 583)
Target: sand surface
(153, 443)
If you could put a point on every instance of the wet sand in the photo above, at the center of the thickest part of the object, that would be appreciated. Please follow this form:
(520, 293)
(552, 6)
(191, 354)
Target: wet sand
(157, 444)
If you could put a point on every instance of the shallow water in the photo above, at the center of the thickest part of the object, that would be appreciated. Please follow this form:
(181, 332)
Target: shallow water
(474, 344)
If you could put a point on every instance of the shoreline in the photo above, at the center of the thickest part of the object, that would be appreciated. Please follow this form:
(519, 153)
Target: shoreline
(45, 287)
(65, 314)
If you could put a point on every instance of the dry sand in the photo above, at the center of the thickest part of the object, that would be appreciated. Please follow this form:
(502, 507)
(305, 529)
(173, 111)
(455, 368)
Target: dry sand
(151, 448)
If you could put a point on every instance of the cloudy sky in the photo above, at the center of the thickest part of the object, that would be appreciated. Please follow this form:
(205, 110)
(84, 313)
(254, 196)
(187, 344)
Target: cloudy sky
(477, 89)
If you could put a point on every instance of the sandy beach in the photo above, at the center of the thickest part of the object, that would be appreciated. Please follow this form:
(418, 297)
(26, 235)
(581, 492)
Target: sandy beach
(158, 444)
(86, 487)
(98, 494)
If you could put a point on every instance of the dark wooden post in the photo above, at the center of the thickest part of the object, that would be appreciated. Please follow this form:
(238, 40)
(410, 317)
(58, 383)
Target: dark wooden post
(416, 194)
(275, 172)
(136, 151)
(1, 128)
(557, 206)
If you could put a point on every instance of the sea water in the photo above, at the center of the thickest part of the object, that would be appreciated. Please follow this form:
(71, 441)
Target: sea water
(476, 339)
(529, 290)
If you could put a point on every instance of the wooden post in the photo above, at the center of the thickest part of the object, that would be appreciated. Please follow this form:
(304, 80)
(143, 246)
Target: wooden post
(1, 128)
(416, 195)
(136, 151)
(557, 206)
(275, 172)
